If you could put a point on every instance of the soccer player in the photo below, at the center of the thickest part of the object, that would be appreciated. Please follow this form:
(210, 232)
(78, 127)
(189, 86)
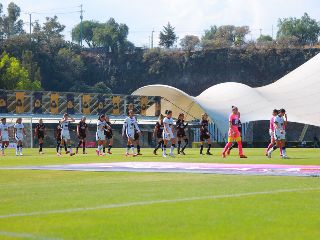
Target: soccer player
(157, 133)
(137, 139)
(128, 130)
(19, 132)
(240, 130)
(82, 128)
(181, 134)
(204, 134)
(65, 133)
(280, 123)
(109, 136)
(100, 136)
(40, 131)
(272, 143)
(58, 138)
(4, 134)
(234, 134)
(168, 134)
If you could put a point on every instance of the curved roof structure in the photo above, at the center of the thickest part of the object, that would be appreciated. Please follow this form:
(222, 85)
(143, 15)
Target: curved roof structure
(298, 92)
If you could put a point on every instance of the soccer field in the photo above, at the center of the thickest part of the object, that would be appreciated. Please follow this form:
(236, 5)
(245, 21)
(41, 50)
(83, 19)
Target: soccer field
(40, 204)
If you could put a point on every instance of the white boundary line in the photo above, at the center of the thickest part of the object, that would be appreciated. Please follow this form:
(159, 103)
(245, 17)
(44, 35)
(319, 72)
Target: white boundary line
(143, 203)
(25, 236)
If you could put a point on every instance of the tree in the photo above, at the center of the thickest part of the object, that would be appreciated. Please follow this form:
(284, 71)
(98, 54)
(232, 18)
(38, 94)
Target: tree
(264, 38)
(305, 29)
(190, 43)
(210, 33)
(10, 25)
(14, 76)
(112, 36)
(167, 36)
(31, 66)
(87, 32)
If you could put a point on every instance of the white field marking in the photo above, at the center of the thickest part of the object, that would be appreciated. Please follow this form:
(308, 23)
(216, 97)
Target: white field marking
(143, 203)
(25, 236)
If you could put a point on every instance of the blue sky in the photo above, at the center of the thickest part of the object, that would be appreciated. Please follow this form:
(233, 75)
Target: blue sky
(187, 16)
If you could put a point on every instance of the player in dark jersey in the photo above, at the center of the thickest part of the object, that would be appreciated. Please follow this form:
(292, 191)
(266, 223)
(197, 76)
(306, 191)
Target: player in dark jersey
(82, 128)
(234, 144)
(204, 134)
(157, 133)
(58, 138)
(181, 133)
(109, 136)
(137, 139)
(40, 131)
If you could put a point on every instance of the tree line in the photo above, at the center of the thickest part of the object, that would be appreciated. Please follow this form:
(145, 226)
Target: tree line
(109, 62)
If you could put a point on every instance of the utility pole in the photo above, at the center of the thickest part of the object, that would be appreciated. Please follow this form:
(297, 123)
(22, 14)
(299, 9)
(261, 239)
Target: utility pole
(30, 23)
(272, 31)
(152, 38)
(260, 31)
(81, 17)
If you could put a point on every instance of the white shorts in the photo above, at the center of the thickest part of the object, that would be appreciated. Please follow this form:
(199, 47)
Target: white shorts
(100, 136)
(65, 135)
(18, 137)
(5, 137)
(280, 135)
(130, 134)
(167, 135)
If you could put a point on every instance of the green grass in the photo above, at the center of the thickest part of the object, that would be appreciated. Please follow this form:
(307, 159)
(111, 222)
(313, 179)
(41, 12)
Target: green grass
(275, 215)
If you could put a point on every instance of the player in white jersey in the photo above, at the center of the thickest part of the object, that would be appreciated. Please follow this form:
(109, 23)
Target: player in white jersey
(168, 133)
(129, 126)
(65, 133)
(280, 123)
(100, 136)
(19, 132)
(4, 135)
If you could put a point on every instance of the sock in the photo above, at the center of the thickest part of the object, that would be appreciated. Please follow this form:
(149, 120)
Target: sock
(132, 149)
(2, 148)
(60, 148)
(269, 147)
(272, 149)
(99, 149)
(227, 147)
(109, 148)
(79, 144)
(164, 149)
(138, 148)
(65, 147)
(172, 148)
(284, 152)
(70, 149)
(17, 149)
(201, 149)
(186, 141)
(84, 146)
(104, 149)
(179, 146)
(20, 148)
(240, 148)
(40, 147)
(232, 146)
(209, 146)
(127, 150)
(57, 148)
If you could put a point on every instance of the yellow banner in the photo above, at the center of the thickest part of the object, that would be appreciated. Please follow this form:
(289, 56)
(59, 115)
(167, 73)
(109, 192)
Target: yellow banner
(54, 103)
(116, 105)
(86, 104)
(19, 102)
(144, 102)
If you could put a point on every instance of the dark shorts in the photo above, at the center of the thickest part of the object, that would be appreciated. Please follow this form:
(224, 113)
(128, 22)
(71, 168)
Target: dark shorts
(108, 135)
(204, 136)
(181, 134)
(40, 135)
(82, 136)
(159, 134)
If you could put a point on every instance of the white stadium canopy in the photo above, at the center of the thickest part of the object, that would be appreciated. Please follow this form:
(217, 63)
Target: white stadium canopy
(298, 92)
